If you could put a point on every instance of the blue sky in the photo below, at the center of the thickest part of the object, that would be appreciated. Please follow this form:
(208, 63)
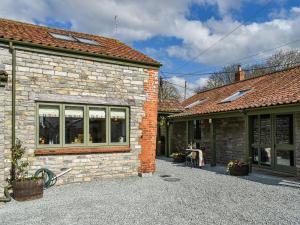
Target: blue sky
(175, 32)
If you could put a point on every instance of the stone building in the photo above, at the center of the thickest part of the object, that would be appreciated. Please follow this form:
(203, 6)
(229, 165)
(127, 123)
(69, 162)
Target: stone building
(76, 101)
(256, 120)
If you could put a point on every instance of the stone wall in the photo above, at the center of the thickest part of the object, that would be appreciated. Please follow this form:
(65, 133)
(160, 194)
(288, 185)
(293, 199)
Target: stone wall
(5, 104)
(2, 178)
(50, 78)
(230, 139)
(297, 142)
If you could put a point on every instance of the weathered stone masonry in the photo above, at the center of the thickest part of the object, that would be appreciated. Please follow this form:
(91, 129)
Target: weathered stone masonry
(50, 78)
(2, 178)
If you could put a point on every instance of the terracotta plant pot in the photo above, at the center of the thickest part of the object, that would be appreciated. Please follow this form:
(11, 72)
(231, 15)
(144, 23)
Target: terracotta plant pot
(242, 170)
(28, 189)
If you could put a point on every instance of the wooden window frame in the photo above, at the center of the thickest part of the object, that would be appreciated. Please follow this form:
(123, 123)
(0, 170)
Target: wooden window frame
(85, 144)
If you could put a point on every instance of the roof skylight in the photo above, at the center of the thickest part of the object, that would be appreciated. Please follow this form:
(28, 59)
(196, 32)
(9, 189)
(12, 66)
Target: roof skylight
(198, 102)
(235, 96)
(62, 37)
(87, 41)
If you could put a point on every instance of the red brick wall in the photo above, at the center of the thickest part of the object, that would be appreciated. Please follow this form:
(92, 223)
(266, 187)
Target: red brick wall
(149, 124)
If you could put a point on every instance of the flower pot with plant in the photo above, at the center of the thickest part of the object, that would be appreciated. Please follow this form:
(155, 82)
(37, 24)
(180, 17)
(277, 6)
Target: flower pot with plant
(238, 168)
(24, 187)
(178, 157)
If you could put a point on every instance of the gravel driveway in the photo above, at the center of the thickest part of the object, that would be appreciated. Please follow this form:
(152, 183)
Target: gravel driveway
(199, 197)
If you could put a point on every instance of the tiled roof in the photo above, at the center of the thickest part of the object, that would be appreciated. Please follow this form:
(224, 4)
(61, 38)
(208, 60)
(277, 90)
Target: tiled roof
(276, 88)
(170, 106)
(29, 33)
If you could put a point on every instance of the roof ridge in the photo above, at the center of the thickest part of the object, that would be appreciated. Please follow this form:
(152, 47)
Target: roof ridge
(32, 33)
(58, 29)
(247, 79)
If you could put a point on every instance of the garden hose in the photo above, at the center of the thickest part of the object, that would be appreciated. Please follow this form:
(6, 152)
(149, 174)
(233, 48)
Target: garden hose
(49, 177)
(7, 197)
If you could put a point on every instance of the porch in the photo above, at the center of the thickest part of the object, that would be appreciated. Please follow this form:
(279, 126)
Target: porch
(268, 138)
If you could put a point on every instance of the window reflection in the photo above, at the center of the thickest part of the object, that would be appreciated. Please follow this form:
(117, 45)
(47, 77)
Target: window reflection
(118, 125)
(49, 125)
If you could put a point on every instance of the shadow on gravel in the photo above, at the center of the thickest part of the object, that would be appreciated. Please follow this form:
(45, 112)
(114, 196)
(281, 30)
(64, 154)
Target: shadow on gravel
(256, 176)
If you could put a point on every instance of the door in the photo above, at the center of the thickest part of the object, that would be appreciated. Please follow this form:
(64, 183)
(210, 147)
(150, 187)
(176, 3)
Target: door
(272, 141)
(284, 142)
(261, 140)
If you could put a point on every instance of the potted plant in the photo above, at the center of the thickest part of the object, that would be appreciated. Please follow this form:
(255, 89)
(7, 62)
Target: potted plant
(238, 168)
(24, 187)
(178, 157)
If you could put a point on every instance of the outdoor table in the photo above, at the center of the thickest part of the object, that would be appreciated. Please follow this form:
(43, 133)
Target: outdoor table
(200, 155)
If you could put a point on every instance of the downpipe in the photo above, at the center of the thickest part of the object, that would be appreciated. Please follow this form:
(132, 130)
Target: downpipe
(12, 50)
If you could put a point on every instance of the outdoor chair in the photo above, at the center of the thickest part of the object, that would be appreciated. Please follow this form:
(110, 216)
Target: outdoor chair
(191, 159)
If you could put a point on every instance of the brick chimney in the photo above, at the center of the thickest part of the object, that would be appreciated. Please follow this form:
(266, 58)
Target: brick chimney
(240, 74)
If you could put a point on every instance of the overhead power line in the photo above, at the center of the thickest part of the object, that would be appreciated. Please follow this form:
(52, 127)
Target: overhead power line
(228, 72)
(222, 38)
(254, 69)
(237, 60)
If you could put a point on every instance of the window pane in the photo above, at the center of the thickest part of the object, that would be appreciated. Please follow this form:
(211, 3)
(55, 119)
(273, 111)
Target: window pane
(285, 158)
(62, 37)
(118, 125)
(265, 156)
(197, 130)
(190, 132)
(255, 155)
(74, 124)
(284, 129)
(49, 125)
(265, 130)
(255, 130)
(97, 125)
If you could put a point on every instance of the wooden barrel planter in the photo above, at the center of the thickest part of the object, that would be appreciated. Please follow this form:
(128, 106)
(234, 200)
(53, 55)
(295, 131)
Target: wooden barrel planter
(242, 170)
(28, 189)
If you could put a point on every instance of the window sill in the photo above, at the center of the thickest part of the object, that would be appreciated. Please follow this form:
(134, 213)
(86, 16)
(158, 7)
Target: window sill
(82, 150)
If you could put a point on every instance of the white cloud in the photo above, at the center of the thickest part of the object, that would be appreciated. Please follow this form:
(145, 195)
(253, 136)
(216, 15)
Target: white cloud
(140, 20)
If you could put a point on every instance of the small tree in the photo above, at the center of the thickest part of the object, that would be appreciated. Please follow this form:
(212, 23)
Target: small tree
(167, 91)
(278, 61)
(20, 171)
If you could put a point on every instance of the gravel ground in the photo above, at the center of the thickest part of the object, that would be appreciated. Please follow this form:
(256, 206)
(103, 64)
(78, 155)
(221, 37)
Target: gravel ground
(199, 197)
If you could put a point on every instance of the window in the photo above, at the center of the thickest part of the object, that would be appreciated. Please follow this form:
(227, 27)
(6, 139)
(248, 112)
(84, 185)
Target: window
(198, 102)
(74, 125)
(87, 41)
(118, 125)
(194, 133)
(284, 129)
(235, 96)
(97, 125)
(62, 37)
(63, 125)
(49, 125)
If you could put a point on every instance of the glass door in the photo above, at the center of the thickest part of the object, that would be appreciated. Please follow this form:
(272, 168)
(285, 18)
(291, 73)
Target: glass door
(272, 141)
(261, 140)
(284, 142)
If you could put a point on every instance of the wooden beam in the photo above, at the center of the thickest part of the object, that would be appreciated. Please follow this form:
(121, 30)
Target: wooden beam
(186, 133)
(248, 156)
(170, 134)
(212, 142)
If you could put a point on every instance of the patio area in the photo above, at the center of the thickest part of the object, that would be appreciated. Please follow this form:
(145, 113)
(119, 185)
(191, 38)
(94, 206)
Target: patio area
(174, 195)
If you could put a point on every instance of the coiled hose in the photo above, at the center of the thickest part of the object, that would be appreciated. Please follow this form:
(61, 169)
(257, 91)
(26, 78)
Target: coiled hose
(49, 180)
(49, 177)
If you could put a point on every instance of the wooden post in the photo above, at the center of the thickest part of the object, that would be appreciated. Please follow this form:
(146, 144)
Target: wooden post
(248, 156)
(170, 133)
(187, 133)
(212, 143)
